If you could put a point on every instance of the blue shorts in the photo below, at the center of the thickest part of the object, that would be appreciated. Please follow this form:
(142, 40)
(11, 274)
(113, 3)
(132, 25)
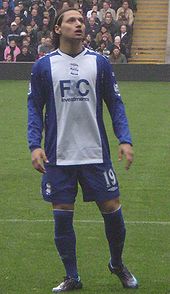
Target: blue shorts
(98, 183)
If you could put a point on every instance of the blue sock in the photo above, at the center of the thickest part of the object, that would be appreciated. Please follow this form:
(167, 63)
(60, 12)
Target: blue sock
(115, 233)
(65, 241)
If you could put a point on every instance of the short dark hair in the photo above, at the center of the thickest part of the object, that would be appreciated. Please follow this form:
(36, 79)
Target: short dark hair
(58, 21)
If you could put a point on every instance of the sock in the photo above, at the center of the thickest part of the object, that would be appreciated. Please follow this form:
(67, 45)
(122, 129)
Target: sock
(65, 241)
(115, 233)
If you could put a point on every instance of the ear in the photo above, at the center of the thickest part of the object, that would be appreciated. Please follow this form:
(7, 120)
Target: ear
(57, 29)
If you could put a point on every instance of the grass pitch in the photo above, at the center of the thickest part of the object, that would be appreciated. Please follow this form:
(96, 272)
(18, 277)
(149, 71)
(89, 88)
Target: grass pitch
(28, 259)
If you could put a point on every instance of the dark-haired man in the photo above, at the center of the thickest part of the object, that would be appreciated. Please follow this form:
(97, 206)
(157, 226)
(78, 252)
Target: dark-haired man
(72, 83)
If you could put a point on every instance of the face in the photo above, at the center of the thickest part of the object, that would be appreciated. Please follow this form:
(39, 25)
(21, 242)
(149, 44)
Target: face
(13, 28)
(45, 21)
(117, 40)
(123, 29)
(17, 10)
(125, 5)
(108, 18)
(5, 5)
(17, 20)
(2, 11)
(34, 12)
(72, 26)
(12, 43)
(48, 41)
(24, 50)
(116, 52)
(105, 5)
(47, 3)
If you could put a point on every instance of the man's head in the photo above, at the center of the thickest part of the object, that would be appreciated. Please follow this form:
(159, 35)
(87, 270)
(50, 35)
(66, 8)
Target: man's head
(17, 10)
(106, 5)
(45, 21)
(123, 28)
(116, 51)
(125, 5)
(13, 26)
(108, 18)
(24, 50)
(18, 20)
(68, 26)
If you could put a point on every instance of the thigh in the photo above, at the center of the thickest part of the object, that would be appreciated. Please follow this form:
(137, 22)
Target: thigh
(59, 184)
(98, 182)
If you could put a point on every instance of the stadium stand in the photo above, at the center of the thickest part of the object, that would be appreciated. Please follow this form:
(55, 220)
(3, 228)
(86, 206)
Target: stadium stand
(150, 32)
(29, 22)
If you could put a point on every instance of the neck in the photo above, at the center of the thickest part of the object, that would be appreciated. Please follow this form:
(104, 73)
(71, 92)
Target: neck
(71, 48)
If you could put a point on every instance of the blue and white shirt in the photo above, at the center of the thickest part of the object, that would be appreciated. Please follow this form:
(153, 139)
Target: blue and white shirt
(72, 90)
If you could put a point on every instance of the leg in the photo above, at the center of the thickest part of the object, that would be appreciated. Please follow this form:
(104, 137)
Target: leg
(114, 228)
(115, 233)
(65, 241)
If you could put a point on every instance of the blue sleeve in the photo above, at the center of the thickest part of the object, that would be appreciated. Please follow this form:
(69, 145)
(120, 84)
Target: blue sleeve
(36, 102)
(115, 105)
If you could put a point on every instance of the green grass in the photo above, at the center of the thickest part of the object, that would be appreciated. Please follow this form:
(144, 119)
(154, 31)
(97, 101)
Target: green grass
(28, 259)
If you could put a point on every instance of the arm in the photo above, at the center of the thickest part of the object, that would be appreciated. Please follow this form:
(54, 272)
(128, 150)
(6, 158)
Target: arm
(116, 109)
(36, 102)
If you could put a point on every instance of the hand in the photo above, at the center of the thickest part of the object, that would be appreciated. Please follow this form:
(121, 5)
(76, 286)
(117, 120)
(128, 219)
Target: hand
(126, 150)
(38, 157)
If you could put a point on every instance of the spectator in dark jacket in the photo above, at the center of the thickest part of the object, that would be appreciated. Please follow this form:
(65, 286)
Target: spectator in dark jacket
(2, 46)
(25, 55)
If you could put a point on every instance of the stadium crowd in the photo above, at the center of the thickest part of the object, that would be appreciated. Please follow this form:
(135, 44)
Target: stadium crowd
(26, 27)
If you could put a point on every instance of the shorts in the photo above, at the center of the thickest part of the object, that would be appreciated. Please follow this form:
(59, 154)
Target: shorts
(98, 183)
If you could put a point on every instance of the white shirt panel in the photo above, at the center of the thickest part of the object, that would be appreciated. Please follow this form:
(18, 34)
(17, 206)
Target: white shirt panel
(74, 84)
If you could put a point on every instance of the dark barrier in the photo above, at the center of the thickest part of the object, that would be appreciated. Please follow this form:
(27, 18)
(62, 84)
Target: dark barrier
(123, 72)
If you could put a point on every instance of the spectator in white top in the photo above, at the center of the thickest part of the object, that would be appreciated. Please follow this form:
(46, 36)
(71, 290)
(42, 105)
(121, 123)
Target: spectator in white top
(94, 8)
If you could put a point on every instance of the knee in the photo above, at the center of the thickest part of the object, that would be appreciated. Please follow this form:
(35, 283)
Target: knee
(109, 205)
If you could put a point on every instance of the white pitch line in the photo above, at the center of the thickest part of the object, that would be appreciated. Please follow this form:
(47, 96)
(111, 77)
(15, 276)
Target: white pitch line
(82, 221)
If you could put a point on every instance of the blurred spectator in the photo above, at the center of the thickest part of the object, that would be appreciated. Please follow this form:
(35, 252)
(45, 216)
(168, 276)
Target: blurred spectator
(51, 10)
(10, 4)
(92, 27)
(103, 32)
(25, 55)
(116, 57)
(23, 11)
(46, 47)
(125, 14)
(116, 4)
(106, 8)
(12, 49)
(9, 58)
(84, 4)
(34, 19)
(94, 8)
(118, 44)
(89, 43)
(2, 46)
(45, 30)
(4, 21)
(14, 33)
(17, 12)
(110, 24)
(32, 34)
(125, 40)
(32, 49)
(42, 42)
(103, 50)
(20, 26)
(65, 4)
(97, 20)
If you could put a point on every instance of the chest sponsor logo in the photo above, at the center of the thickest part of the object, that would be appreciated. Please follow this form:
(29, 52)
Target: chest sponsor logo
(72, 90)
